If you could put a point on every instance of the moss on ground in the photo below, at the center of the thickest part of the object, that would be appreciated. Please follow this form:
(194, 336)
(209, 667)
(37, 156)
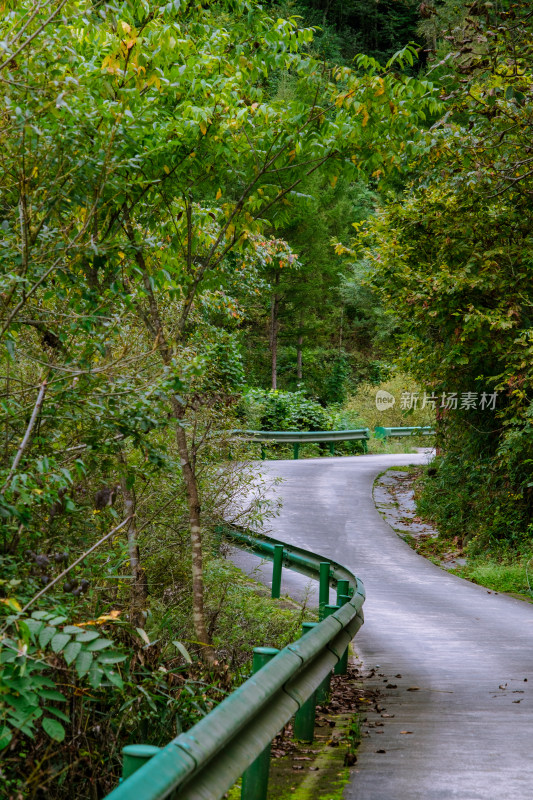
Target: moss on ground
(318, 770)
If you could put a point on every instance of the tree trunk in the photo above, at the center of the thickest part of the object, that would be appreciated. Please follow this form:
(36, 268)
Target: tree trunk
(155, 326)
(299, 358)
(139, 589)
(274, 326)
(193, 502)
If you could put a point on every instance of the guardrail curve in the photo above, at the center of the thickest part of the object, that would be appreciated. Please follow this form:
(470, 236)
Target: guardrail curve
(296, 438)
(234, 738)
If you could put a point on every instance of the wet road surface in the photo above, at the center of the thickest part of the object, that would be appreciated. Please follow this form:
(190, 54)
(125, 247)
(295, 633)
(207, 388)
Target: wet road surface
(463, 656)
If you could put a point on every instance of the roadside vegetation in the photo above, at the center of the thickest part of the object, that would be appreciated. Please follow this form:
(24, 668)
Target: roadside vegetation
(218, 216)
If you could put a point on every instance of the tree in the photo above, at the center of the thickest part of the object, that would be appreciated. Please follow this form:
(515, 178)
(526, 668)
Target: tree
(451, 258)
(143, 154)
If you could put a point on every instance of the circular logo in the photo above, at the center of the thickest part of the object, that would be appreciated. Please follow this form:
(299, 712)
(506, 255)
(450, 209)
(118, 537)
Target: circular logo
(384, 400)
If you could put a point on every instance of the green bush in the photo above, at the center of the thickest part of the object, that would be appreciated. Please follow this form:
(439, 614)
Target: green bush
(466, 497)
(270, 410)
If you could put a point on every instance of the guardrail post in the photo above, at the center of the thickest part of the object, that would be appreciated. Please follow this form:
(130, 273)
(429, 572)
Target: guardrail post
(135, 756)
(304, 719)
(263, 452)
(323, 690)
(276, 570)
(255, 778)
(296, 449)
(341, 667)
(323, 588)
(343, 587)
(332, 448)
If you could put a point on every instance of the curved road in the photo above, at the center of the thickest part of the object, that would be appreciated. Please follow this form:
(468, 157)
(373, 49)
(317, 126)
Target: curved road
(469, 652)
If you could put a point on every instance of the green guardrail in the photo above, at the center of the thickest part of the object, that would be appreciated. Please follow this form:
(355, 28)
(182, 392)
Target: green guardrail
(296, 438)
(384, 433)
(234, 739)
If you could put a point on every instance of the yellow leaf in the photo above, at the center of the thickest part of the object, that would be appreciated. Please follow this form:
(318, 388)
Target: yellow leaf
(219, 194)
(334, 180)
(125, 27)
(366, 116)
(203, 128)
(154, 80)
(166, 169)
(121, 255)
(13, 604)
(111, 617)
(130, 43)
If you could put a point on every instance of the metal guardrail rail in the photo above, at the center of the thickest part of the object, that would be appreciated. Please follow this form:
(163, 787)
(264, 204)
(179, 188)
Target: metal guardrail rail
(234, 739)
(296, 438)
(384, 433)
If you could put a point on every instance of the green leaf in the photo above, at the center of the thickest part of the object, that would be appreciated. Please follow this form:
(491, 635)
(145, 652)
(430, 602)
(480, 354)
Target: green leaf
(54, 729)
(57, 620)
(33, 625)
(83, 663)
(58, 713)
(87, 636)
(184, 652)
(99, 644)
(114, 677)
(46, 635)
(72, 629)
(59, 641)
(112, 658)
(96, 674)
(71, 651)
(52, 694)
(5, 736)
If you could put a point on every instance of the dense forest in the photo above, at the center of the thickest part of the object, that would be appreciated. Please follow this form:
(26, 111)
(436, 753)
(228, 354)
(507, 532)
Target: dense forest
(226, 215)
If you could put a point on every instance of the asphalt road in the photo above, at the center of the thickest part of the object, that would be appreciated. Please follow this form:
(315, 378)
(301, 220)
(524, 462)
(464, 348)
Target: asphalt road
(468, 652)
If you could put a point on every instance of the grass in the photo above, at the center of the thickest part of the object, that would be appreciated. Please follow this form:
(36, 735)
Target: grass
(510, 578)
(361, 407)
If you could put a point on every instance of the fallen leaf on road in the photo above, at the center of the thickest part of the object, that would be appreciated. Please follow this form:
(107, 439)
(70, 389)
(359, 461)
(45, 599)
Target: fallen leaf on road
(406, 731)
(413, 689)
(502, 686)
(381, 751)
(391, 686)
